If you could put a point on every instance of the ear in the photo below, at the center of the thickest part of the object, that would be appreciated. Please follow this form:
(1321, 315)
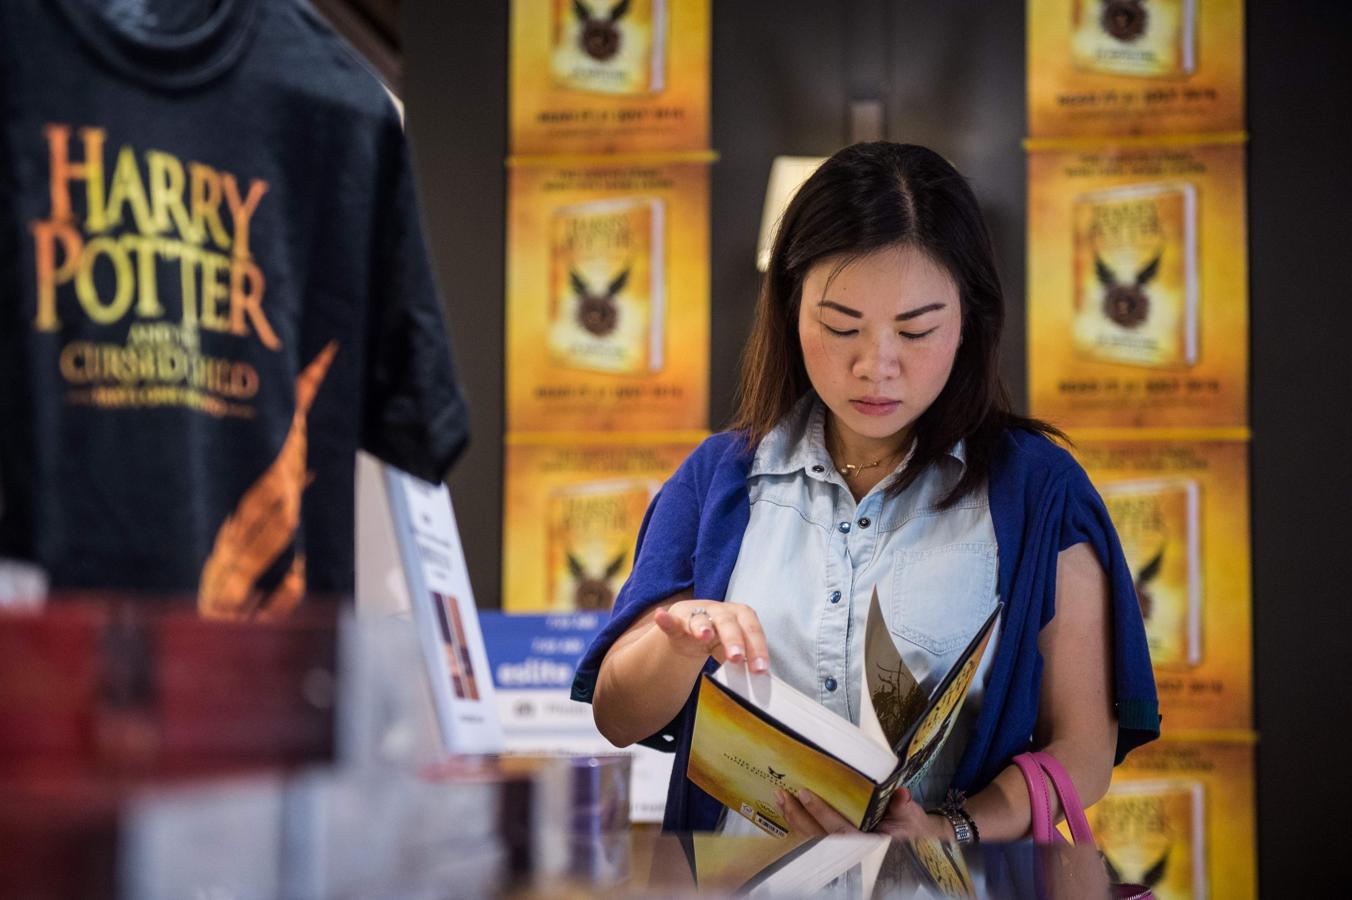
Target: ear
(579, 285)
(1152, 569)
(575, 568)
(1105, 274)
(1149, 272)
(580, 10)
(1155, 874)
(618, 284)
(615, 565)
(620, 9)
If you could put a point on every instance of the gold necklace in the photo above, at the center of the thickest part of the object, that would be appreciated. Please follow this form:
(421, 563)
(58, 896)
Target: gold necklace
(849, 470)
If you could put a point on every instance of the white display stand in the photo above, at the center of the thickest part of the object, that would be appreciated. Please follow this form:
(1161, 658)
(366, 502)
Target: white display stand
(410, 561)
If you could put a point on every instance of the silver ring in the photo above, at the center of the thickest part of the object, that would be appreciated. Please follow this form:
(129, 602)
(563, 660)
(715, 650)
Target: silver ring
(700, 611)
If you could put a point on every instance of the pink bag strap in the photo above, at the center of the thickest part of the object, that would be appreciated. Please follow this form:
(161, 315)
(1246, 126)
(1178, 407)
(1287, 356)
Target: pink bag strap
(1032, 765)
(1037, 799)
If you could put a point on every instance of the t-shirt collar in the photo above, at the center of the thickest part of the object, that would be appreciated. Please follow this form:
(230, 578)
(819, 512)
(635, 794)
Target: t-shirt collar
(169, 60)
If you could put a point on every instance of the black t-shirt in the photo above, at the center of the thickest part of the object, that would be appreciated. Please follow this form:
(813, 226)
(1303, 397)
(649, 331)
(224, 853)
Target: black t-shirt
(213, 289)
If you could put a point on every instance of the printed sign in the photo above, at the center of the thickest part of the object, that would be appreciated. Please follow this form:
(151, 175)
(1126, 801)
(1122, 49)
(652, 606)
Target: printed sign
(573, 512)
(1135, 67)
(608, 298)
(609, 76)
(444, 610)
(1179, 819)
(533, 659)
(1182, 512)
(1138, 287)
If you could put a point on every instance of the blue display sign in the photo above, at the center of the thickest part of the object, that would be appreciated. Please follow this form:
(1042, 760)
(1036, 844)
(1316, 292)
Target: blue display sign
(534, 652)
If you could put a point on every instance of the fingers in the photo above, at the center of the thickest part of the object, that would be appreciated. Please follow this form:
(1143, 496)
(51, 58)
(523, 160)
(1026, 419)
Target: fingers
(757, 652)
(730, 632)
(678, 626)
(810, 815)
(731, 637)
(740, 634)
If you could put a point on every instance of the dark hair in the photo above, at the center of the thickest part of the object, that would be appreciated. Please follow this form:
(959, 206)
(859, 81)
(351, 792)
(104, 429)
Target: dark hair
(865, 198)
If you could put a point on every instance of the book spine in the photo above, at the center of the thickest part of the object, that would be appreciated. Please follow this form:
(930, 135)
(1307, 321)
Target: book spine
(877, 804)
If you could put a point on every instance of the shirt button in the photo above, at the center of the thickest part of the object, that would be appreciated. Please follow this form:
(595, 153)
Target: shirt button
(835, 596)
(819, 469)
(844, 527)
(830, 683)
(865, 522)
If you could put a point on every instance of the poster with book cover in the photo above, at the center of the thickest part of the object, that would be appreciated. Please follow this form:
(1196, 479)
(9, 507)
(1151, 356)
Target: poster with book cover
(444, 611)
(1138, 286)
(1179, 818)
(609, 76)
(1181, 510)
(608, 297)
(1100, 68)
(574, 505)
(755, 734)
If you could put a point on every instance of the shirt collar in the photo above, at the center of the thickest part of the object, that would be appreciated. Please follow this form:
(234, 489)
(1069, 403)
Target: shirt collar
(798, 443)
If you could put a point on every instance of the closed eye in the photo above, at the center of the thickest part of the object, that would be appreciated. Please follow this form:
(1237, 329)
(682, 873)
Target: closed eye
(838, 333)
(915, 336)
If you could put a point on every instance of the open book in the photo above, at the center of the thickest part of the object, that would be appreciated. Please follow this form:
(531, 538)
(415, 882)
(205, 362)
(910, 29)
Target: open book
(755, 734)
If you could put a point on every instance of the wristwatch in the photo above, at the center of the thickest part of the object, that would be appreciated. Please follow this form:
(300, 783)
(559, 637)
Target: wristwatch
(955, 811)
(963, 830)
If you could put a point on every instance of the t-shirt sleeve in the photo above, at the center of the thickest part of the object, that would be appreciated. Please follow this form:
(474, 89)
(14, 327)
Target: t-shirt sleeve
(663, 566)
(414, 414)
(1136, 703)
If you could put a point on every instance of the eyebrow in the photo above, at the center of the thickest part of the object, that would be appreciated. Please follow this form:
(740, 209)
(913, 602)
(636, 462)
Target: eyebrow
(901, 317)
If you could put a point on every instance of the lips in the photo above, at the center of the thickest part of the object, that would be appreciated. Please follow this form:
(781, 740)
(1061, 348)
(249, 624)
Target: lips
(875, 406)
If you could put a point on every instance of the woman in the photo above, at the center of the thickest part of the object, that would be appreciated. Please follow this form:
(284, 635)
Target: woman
(874, 446)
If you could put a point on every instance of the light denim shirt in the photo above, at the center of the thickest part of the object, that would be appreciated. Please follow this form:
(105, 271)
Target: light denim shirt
(811, 557)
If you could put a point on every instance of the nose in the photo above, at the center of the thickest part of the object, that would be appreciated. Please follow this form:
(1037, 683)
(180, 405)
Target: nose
(879, 359)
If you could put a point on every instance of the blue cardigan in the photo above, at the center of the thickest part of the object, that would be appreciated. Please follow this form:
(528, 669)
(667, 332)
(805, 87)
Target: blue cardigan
(1041, 502)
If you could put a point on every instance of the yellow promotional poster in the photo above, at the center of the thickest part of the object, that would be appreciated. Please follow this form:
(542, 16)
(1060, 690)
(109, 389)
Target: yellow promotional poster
(608, 297)
(1135, 67)
(573, 510)
(609, 76)
(741, 760)
(1181, 510)
(1138, 286)
(1179, 819)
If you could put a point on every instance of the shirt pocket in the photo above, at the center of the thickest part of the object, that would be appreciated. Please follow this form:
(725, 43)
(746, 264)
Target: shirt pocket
(941, 595)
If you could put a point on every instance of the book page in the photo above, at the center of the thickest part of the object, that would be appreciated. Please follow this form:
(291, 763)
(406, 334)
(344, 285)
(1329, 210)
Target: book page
(942, 712)
(892, 700)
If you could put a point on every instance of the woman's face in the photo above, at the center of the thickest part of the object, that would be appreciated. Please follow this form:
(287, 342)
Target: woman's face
(879, 337)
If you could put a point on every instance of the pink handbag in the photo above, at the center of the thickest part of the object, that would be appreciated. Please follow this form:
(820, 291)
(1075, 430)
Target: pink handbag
(1032, 765)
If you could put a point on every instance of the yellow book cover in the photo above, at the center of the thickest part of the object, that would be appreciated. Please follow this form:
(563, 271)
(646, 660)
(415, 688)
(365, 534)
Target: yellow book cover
(1182, 511)
(1101, 68)
(1157, 521)
(1136, 274)
(610, 46)
(571, 516)
(1153, 833)
(1180, 818)
(592, 527)
(1138, 286)
(755, 734)
(607, 285)
(1135, 37)
(609, 76)
(608, 297)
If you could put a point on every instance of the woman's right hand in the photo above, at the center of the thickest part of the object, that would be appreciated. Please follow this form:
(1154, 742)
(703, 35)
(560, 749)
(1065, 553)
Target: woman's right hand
(729, 632)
